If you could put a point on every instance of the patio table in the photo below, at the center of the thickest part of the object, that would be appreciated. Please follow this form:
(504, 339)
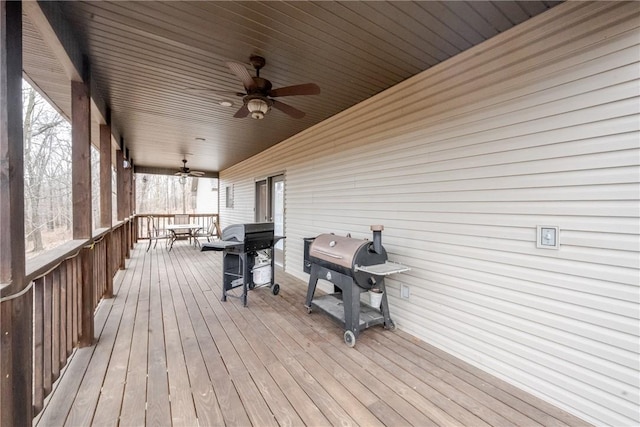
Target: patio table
(178, 230)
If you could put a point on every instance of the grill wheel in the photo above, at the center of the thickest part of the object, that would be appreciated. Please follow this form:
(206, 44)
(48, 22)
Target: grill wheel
(349, 338)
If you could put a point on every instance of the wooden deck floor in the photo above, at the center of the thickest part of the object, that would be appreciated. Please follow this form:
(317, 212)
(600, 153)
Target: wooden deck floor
(170, 352)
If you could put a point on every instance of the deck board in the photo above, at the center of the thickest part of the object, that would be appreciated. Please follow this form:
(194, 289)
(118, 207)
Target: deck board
(124, 303)
(170, 352)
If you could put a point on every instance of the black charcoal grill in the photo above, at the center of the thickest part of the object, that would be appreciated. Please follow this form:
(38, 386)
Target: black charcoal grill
(353, 266)
(242, 246)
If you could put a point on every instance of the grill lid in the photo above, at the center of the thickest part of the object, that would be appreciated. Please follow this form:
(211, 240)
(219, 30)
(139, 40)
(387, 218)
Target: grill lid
(336, 249)
(244, 232)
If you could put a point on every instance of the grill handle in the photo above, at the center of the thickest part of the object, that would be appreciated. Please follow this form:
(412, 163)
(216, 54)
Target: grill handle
(329, 254)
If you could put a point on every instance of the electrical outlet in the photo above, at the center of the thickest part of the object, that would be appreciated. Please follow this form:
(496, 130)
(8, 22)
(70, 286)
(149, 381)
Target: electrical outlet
(548, 237)
(405, 291)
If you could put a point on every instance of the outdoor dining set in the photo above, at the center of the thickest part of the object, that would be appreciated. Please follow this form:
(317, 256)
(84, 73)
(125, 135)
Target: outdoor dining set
(180, 228)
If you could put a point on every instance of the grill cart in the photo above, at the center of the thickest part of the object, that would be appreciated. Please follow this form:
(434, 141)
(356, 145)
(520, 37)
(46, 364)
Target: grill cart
(353, 266)
(247, 258)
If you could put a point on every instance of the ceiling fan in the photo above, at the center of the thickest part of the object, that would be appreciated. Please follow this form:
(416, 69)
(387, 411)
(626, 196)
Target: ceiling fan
(184, 171)
(259, 93)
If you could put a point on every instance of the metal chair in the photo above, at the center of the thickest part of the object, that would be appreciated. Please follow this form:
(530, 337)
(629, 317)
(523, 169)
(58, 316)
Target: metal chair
(181, 219)
(212, 231)
(155, 234)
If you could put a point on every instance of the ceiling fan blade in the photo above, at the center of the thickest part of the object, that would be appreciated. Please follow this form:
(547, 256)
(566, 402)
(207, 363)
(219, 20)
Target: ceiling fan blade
(196, 173)
(288, 109)
(241, 72)
(303, 89)
(242, 112)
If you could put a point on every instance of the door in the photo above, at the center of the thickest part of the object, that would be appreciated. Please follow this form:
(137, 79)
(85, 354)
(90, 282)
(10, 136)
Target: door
(277, 213)
(262, 202)
(270, 208)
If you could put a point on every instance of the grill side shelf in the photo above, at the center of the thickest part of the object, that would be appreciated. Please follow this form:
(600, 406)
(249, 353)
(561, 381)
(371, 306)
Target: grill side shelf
(386, 269)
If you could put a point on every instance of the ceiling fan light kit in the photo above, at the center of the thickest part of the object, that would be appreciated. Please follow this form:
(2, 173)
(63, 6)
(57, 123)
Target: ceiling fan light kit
(258, 107)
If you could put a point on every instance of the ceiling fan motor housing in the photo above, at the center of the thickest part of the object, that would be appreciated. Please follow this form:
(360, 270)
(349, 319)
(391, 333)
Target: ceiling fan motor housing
(262, 86)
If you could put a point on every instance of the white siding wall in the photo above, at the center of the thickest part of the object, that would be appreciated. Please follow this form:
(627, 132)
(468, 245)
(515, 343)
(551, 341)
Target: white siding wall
(538, 126)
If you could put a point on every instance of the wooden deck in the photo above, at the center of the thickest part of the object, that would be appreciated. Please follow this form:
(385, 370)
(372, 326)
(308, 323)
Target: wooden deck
(170, 352)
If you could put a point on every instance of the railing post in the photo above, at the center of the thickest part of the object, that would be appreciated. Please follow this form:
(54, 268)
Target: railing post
(108, 291)
(123, 245)
(87, 307)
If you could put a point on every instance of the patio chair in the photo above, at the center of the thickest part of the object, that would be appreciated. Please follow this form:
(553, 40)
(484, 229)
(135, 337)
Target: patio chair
(181, 219)
(155, 234)
(181, 234)
(211, 232)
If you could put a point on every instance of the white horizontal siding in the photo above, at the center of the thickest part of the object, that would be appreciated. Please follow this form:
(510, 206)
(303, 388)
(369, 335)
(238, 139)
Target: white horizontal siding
(538, 126)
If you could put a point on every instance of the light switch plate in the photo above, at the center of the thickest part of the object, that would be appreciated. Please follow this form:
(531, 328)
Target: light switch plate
(548, 237)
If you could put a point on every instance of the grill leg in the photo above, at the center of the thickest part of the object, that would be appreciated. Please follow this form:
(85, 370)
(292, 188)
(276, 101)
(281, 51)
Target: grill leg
(384, 307)
(313, 281)
(247, 277)
(351, 301)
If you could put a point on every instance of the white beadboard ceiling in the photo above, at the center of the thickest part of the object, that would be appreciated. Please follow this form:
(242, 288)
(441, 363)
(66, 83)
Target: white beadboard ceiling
(160, 66)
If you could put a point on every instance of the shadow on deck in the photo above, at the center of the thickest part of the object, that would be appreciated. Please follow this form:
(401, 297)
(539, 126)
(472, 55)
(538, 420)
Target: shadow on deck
(169, 352)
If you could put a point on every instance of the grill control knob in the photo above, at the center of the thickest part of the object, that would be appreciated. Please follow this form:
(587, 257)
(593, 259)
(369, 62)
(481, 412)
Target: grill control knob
(332, 243)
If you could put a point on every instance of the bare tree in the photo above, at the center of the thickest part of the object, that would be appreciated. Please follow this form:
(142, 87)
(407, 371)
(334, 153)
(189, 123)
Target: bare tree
(47, 168)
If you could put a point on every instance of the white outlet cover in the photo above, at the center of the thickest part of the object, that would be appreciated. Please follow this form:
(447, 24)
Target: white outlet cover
(405, 291)
(548, 237)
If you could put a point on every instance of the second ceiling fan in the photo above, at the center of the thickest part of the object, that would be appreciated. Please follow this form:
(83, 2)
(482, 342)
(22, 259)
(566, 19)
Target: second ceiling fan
(259, 93)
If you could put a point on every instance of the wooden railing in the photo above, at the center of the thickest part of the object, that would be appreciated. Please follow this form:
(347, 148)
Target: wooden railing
(63, 303)
(204, 220)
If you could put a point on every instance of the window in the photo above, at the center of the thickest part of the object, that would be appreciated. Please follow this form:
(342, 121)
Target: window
(229, 196)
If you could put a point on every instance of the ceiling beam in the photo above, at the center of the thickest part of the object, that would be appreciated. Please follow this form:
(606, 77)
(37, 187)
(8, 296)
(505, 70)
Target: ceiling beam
(168, 171)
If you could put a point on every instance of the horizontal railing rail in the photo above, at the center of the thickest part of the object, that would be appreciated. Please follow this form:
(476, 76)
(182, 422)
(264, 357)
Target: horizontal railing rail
(162, 220)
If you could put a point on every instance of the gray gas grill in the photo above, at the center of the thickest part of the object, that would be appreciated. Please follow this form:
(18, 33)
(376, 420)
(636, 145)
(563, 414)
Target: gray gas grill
(240, 246)
(353, 266)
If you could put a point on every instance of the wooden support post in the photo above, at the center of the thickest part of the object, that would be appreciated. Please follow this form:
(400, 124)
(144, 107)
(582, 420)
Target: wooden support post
(121, 208)
(132, 205)
(127, 207)
(81, 159)
(81, 195)
(122, 214)
(106, 208)
(16, 307)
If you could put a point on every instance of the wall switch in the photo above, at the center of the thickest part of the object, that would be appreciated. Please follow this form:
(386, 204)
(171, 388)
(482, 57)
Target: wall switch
(548, 237)
(405, 292)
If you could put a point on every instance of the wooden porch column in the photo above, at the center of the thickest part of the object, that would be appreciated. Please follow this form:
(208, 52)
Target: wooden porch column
(16, 307)
(121, 208)
(127, 207)
(81, 195)
(106, 208)
(134, 222)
